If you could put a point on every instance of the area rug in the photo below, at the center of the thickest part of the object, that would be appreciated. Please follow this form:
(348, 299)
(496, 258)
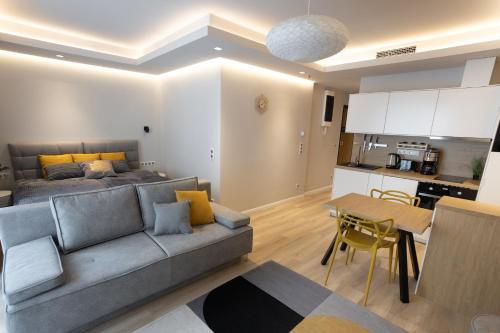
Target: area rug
(269, 298)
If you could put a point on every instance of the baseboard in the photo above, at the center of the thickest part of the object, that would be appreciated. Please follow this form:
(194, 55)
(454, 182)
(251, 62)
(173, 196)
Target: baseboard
(272, 204)
(319, 190)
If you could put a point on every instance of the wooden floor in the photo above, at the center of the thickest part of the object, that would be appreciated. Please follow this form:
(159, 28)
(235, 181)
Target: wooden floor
(295, 234)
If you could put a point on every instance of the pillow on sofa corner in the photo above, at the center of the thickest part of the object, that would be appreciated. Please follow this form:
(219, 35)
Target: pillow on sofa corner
(161, 192)
(30, 269)
(201, 211)
(172, 218)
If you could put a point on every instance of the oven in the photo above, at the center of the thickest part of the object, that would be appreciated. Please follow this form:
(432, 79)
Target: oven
(430, 193)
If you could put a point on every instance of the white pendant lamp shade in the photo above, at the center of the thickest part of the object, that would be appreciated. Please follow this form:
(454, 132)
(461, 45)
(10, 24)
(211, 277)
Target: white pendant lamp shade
(307, 38)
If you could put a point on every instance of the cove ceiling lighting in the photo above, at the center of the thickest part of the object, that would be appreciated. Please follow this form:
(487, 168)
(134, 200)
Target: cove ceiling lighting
(307, 38)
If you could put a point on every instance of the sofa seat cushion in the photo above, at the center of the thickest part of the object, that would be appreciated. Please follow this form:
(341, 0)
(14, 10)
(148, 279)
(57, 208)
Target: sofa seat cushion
(89, 267)
(30, 269)
(202, 236)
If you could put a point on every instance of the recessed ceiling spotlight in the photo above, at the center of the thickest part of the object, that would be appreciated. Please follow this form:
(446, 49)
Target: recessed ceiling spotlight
(302, 73)
(217, 48)
(59, 56)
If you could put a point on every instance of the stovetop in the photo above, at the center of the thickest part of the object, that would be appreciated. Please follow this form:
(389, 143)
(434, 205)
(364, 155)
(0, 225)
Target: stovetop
(452, 179)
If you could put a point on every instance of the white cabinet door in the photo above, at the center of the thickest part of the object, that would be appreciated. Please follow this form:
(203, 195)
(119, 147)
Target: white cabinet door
(411, 112)
(467, 112)
(405, 185)
(367, 113)
(374, 181)
(348, 181)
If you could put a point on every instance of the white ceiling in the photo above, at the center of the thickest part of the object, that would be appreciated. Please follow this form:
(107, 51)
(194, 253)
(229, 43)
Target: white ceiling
(158, 35)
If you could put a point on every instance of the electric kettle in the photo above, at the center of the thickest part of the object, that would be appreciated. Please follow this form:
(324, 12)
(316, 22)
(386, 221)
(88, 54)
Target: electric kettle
(393, 161)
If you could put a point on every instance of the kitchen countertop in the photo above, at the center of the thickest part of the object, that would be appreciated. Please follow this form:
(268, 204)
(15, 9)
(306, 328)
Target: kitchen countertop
(470, 184)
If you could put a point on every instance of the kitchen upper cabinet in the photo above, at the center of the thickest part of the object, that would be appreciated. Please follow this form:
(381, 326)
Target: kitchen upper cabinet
(467, 112)
(348, 181)
(400, 184)
(367, 113)
(411, 112)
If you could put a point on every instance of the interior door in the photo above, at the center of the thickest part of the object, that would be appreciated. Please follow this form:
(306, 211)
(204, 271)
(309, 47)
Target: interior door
(345, 148)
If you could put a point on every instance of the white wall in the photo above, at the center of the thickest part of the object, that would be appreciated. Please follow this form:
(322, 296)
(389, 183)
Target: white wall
(323, 149)
(438, 78)
(191, 110)
(190, 119)
(50, 101)
(260, 163)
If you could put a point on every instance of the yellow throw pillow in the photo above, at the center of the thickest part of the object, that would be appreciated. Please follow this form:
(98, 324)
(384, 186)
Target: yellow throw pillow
(201, 211)
(46, 160)
(78, 158)
(118, 156)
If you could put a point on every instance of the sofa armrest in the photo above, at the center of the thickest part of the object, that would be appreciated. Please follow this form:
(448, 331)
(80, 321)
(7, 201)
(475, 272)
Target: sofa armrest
(228, 217)
(205, 185)
(30, 269)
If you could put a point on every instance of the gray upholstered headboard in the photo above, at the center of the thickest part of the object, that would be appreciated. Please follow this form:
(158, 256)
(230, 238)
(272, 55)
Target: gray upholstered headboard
(24, 156)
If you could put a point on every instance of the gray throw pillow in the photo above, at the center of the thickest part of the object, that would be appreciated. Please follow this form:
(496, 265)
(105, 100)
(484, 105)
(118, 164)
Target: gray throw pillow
(98, 169)
(63, 171)
(172, 218)
(120, 166)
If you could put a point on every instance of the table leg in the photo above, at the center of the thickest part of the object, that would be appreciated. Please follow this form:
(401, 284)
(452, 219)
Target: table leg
(403, 268)
(329, 251)
(413, 255)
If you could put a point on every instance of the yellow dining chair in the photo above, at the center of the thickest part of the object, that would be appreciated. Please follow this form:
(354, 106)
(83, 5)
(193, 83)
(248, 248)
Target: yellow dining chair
(399, 197)
(350, 232)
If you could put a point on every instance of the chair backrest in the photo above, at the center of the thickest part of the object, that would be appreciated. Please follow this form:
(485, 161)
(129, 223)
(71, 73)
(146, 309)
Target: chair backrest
(345, 220)
(395, 196)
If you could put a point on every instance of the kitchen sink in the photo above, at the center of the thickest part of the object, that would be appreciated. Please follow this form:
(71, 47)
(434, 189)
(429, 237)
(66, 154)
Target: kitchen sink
(361, 166)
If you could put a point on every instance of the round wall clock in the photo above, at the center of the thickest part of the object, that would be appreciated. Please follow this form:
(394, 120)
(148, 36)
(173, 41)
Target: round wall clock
(261, 103)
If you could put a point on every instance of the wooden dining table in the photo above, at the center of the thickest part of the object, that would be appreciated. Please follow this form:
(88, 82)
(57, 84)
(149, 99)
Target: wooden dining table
(407, 219)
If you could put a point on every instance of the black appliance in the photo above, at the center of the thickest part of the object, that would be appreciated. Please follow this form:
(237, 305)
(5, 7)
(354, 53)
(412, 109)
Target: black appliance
(430, 162)
(430, 193)
(393, 161)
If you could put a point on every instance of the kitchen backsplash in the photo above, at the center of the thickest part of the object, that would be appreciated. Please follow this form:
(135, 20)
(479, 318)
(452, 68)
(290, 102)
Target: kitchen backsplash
(454, 159)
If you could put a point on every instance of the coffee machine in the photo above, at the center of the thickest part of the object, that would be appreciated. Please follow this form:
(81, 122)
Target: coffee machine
(430, 162)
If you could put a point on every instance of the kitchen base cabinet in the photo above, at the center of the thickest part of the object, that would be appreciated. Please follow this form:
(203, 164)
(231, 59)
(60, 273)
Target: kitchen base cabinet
(374, 181)
(348, 181)
(399, 184)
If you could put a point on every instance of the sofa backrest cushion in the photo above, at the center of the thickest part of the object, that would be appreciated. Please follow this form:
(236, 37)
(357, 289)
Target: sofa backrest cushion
(161, 192)
(23, 223)
(89, 218)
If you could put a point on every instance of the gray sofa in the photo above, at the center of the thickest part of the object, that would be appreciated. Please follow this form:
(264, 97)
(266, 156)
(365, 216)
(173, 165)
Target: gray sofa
(82, 258)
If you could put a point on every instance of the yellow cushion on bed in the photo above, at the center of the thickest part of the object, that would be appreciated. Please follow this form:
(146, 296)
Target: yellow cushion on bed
(201, 211)
(78, 158)
(118, 156)
(46, 160)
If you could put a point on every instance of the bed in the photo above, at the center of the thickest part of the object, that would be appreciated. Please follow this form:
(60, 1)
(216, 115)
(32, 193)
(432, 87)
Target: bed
(31, 187)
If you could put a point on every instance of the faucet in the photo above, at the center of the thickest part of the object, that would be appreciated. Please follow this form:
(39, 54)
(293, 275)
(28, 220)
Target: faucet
(370, 145)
